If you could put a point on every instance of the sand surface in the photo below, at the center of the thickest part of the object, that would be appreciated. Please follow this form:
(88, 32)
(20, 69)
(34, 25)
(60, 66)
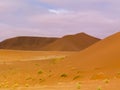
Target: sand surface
(95, 68)
(26, 43)
(75, 42)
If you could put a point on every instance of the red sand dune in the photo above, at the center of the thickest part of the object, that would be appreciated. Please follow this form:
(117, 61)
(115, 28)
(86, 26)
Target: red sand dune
(67, 43)
(26, 43)
(75, 42)
(102, 54)
(99, 61)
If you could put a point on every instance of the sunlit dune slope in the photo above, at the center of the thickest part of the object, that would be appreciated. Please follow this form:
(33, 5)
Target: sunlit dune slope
(75, 42)
(104, 53)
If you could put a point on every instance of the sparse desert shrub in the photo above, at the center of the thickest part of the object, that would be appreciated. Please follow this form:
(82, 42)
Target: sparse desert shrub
(78, 72)
(50, 75)
(26, 85)
(76, 77)
(57, 59)
(61, 58)
(6, 86)
(79, 86)
(37, 65)
(63, 75)
(29, 78)
(41, 80)
(40, 72)
(106, 81)
(118, 75)
(99, 88)
(52, 61)
(0, 86)
(15, 85)
(50, 71)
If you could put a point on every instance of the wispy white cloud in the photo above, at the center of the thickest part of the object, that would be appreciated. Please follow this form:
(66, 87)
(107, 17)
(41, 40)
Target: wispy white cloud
(58, 11)
(91, 22)
(58, 17)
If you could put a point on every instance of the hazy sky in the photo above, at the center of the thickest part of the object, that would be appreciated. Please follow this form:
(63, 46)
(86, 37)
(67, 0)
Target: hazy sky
(58, 17)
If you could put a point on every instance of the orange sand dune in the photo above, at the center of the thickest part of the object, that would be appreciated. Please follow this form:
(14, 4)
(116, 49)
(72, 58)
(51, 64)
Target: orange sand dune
(95, 68)
(67, 43)
(26, 43)
(103, 53)
(75, 42)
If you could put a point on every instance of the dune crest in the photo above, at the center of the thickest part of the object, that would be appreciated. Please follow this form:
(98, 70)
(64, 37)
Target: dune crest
(26, 43)
(75, 42)
(104, 53)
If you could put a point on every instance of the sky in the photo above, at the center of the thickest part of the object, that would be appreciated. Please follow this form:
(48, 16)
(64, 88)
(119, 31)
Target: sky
(53, 18)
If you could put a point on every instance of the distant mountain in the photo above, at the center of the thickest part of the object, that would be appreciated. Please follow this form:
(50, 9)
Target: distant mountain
(26, 43)
(75, 42)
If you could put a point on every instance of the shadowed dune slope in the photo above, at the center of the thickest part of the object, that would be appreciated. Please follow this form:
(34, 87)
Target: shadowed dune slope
(67, 43)
(26, 43)
(102, 54)
(75, 42)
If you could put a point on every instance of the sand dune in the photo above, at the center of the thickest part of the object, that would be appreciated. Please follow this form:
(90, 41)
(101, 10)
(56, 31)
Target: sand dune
(103, 53)
(26, 43)
(75, 42)
(95, 68)
(67, 43)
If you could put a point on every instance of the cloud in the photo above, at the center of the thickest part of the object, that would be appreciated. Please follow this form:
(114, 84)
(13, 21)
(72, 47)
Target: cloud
(8, 31)
(108, 6)
(58, 11)
(58, 17)
(10, 5)
(91, 22)
(76, 1)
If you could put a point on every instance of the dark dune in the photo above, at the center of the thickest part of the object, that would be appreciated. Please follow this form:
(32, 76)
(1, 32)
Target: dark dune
(26, 43)
(75, 42)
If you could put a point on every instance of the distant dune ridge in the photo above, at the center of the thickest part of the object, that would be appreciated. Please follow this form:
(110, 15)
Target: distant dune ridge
(75, 42)
(26, 43)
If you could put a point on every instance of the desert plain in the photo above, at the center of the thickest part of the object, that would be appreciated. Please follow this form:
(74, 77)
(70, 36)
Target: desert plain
(97, 67)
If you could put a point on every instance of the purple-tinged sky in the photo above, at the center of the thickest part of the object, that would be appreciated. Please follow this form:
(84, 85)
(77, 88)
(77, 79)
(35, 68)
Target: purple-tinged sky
(99, 18)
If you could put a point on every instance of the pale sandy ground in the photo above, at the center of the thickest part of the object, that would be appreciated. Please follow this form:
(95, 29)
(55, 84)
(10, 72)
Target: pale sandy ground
(17, 55)
(83, 85)
(19, 72)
